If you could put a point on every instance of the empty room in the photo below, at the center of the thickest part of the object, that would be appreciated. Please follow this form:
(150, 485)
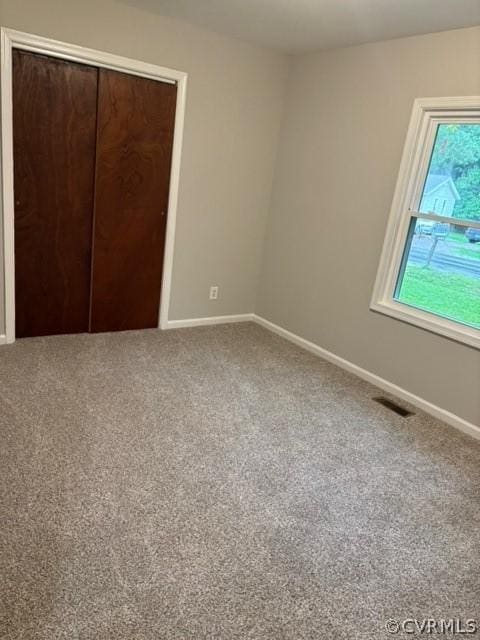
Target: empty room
(239, 319)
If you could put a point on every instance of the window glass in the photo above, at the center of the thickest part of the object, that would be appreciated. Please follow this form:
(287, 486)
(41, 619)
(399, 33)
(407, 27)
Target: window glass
(440, 271)
(452, 186)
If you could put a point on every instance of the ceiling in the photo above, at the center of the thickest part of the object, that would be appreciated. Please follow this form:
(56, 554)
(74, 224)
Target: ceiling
(298, 26)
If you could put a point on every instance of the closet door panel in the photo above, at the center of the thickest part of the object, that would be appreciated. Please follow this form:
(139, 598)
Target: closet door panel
(134, 149)
(54, 131)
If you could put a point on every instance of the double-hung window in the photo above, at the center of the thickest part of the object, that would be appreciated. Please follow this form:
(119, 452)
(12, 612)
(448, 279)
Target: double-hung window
(429, 273)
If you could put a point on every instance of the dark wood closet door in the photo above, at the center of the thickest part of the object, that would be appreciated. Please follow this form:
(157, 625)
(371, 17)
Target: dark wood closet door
(134, 151)
(54, 131)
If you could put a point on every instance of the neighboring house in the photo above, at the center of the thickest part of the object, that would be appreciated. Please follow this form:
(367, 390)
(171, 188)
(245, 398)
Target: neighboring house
(440, 195)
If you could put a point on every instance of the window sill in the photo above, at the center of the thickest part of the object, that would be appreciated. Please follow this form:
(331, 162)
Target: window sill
(428, 321)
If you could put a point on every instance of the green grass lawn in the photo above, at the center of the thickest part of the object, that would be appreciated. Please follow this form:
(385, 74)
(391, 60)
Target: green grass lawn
(456, 236)
(460, 246)
(450, 295)
(467, 253)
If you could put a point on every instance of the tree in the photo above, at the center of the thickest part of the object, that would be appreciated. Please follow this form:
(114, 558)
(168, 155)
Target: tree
(456, 154)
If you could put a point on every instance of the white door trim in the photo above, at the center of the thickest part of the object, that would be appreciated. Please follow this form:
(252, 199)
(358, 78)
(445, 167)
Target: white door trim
(10, 40)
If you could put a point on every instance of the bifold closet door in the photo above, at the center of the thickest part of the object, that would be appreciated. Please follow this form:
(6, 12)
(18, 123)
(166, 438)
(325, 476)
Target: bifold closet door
(136, 118)
(54, 130)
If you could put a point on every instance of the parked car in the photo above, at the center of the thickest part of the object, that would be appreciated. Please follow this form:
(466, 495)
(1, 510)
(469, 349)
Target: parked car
(472, 234)
(424, 227)
(432, 228)
(441, 229)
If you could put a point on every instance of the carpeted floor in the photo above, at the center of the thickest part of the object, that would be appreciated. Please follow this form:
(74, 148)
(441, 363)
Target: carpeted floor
(221, 483)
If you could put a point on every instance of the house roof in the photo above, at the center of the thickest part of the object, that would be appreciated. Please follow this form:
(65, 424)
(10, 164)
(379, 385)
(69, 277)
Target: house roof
(435, 181)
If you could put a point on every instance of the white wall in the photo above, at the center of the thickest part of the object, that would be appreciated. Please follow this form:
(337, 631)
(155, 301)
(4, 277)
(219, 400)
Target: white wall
(234, 107)
(346, 120)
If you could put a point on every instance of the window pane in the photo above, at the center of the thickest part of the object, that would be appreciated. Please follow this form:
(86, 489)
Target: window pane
(441, 271)
(452, 187)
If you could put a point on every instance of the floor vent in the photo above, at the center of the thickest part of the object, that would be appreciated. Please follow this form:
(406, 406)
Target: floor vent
(393, 406)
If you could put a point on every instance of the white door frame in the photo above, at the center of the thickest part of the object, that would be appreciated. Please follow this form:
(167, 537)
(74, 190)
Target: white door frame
(10, 40)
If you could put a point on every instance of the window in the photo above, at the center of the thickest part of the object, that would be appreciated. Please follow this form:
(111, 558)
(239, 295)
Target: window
(429, 273)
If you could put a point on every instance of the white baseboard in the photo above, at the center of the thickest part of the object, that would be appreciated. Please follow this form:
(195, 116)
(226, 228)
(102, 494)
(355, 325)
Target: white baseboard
(3, 339)
(200, 322)
(432, 409)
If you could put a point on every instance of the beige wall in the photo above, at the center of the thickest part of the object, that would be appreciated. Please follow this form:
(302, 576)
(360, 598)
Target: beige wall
(346, 119)
(234, 107)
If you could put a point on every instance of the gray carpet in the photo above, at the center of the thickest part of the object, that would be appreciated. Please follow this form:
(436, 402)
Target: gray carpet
(221, 483)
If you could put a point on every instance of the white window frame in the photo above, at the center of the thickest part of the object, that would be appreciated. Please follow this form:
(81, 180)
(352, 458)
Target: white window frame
(427, 114)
